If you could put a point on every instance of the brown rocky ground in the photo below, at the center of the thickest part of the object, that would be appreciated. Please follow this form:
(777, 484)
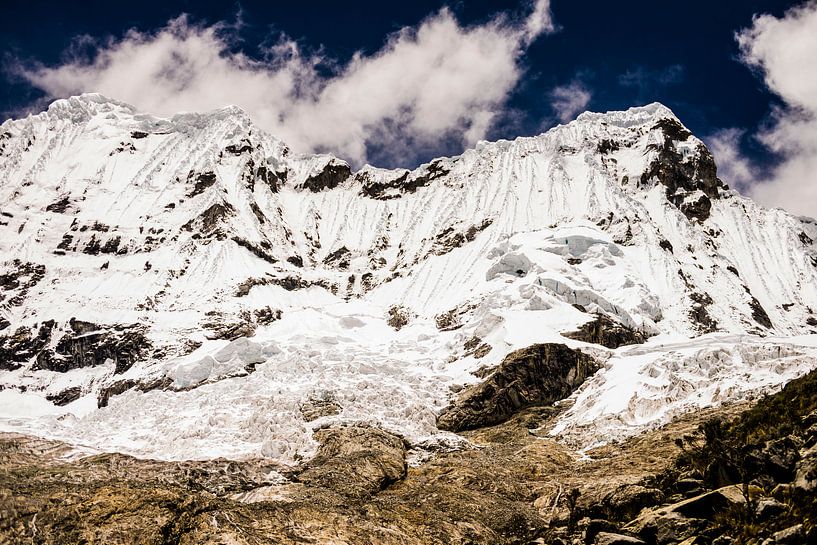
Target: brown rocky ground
(511, 487)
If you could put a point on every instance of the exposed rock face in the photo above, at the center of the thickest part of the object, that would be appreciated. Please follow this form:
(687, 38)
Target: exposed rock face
(330, 177)
(59, 206)
(88, 345)
(452, 238)
(244, 146)
(257, 249)
(121, 386)
(699, 313)
(356, 461)
(15, 284)
(398, 317)
(606, 332)
(66, 396)
(201, 181)
(22, 345)
(539, 374)
(691, 181)
(209, 222)
(339, 259)
(402, 183)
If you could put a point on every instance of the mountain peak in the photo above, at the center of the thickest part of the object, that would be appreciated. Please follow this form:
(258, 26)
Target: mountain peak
(631, 116)
(195, 254)
(87, 104)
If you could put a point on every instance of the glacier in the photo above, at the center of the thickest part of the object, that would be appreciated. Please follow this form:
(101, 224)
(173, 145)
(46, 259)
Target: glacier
(247, 280)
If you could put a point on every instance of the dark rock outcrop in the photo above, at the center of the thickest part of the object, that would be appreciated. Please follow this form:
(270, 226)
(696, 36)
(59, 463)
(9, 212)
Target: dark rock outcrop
(606, 332)
(451, 238)
(209, 221)
(273, 180)
(15, 284)
(122, 386)
(537, 375)
(683, 175)
(93, 246)
(699, 313)
(332, 175)
(404, 183)
(267, 315)
(123, 147)
(59, 206)
(289, 283)
(339, 259)
(201, 181)
(66, 396)
(696, 207)
(111, 246)
(23, 345)
(257, 249)
(230, 331)
(86, 344)
(244, 146)
(758, 312)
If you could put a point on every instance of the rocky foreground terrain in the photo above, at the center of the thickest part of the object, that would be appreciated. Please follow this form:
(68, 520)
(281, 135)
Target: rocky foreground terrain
(738, 474)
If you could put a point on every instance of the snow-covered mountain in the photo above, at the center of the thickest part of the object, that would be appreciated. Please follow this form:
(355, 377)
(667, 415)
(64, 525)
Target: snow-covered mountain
(188, 287)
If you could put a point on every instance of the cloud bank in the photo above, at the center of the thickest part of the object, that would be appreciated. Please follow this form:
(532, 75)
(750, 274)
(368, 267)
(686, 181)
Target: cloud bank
(783, 51)
(569, 100)
(437, 82)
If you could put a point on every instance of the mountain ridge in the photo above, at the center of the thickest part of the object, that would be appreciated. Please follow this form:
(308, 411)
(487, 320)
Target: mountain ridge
(149, 257)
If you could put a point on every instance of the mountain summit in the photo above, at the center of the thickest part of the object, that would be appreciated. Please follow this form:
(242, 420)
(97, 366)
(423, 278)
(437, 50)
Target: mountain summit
(188, 287)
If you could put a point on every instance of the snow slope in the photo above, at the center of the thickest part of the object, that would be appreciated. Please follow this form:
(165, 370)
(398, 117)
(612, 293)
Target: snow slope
(186, 236)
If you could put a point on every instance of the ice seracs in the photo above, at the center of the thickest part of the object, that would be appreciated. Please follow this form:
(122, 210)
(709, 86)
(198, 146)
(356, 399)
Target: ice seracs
(242, 264)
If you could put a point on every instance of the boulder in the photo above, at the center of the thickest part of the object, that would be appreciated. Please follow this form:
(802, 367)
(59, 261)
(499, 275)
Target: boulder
(595, 527)
(663, 528)
(708, 504)
(769, 508)
(356, 461)
(684, 519)
(689, 487)
(776, 458)
(805, 476)
(607, 538)
(627, 501)
(793, 535)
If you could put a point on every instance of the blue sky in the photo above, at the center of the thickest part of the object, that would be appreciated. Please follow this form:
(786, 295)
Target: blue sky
(505, 69)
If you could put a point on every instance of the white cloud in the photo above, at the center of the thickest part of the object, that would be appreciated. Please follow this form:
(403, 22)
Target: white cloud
(569, 100)
(784, 51)
(733, 167)
(437, 82)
